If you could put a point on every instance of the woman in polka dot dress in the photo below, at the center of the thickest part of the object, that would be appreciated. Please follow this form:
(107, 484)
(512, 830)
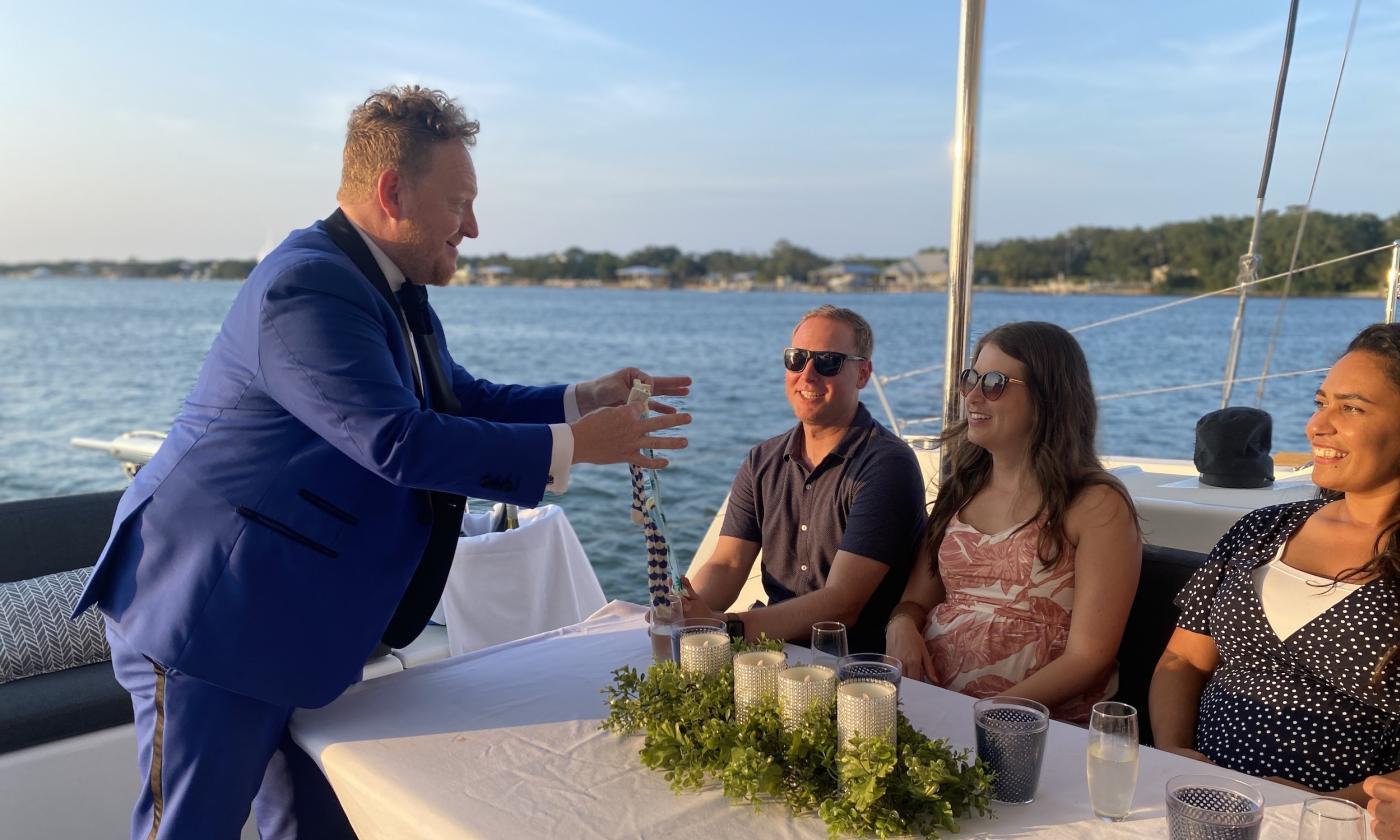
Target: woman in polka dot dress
(1284, 663)
(1030, 559)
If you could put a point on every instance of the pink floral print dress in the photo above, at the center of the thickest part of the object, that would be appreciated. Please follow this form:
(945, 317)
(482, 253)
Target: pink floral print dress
(1006, 615)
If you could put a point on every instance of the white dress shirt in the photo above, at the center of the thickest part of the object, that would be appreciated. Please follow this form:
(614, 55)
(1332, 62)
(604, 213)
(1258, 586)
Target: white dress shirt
(562, 446)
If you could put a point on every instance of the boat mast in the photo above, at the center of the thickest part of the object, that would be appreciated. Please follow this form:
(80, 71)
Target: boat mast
(1249, 263)
(1392, 282)
(960, 239)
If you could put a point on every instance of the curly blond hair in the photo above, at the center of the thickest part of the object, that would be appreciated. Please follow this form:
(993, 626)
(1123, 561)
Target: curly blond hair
(396, 128)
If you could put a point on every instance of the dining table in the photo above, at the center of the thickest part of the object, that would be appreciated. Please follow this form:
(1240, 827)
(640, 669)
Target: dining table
(505, 743)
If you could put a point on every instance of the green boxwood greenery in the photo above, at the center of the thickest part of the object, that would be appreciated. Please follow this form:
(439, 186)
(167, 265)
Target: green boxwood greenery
(691, 735)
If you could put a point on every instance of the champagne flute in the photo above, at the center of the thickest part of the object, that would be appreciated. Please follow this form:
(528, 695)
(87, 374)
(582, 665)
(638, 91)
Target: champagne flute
(828, 643)
(1112, 759)
(1329, 818)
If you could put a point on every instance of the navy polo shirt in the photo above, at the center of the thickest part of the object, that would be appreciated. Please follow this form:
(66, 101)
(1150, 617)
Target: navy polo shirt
(865, 497)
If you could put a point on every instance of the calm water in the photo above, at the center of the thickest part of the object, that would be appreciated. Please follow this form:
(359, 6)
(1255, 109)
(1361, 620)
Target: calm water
(96, 358)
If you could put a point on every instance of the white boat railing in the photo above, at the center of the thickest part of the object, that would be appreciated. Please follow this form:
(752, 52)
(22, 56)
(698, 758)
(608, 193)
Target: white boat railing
(134, 449)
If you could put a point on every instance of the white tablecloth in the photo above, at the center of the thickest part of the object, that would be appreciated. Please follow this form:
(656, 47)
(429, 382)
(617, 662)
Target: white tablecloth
(504, 743)
(516, 583)
(1180, 512)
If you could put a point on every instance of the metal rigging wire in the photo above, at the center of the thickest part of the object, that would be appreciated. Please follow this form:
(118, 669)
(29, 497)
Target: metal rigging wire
(1307, 206)
(1137, 313)
(1249, 263)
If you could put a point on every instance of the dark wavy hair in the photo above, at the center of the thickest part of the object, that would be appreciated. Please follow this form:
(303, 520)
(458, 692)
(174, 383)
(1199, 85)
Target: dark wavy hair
(1062, 453)
(1383, 342)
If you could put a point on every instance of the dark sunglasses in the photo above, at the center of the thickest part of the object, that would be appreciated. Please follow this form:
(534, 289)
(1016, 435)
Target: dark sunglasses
(825, 362)
(993, 383)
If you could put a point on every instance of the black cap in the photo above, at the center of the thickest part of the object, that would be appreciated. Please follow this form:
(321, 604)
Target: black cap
(1232, 448)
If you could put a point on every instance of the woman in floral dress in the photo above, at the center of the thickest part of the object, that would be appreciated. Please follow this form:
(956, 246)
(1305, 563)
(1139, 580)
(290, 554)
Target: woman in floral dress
(1030, 559)
(1286, 660)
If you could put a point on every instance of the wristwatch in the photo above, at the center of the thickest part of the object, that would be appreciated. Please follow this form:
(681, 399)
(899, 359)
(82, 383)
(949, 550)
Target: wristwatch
(734, 626)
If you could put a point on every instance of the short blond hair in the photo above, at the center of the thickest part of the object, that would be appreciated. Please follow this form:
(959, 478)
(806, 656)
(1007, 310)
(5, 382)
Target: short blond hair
(865, 337)
(396, 128)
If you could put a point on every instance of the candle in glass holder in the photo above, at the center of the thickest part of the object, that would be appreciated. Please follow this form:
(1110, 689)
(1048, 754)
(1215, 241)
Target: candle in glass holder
(755, 676)
(865, 708)
(704, 653)
(802, 687)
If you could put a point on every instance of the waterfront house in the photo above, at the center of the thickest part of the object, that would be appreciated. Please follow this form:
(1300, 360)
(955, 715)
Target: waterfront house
(924, 270)
(840, 277)
(492, 275)
(643, 277)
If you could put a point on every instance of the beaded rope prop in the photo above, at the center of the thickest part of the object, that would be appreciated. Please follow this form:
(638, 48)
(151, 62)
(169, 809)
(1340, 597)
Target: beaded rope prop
(646, 512)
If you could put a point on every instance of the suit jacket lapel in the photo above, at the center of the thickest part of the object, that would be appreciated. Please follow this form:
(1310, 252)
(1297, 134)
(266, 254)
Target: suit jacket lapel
(430, 576)
(348, 239)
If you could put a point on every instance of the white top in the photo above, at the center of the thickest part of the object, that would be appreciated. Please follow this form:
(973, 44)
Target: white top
(504, 743)
(1292, 598)
(561, 453)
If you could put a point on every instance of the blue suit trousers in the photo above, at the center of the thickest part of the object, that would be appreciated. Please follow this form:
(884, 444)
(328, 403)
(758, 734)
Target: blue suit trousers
(206, 755)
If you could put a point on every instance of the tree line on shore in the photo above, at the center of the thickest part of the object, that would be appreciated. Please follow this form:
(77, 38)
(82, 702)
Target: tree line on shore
(1172, 257)
(1202, 255)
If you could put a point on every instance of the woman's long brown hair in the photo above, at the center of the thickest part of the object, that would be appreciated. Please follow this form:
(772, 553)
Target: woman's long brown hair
(1062, 454)
(1383, 342)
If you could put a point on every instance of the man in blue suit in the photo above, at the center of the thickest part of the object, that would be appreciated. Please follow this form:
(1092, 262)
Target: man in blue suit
(257, 560)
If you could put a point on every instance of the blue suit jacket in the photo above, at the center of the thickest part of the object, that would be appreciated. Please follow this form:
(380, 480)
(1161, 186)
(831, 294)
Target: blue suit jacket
(266, 545)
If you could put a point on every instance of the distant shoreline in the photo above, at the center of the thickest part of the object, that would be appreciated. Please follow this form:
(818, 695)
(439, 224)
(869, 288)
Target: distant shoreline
(1052, 289)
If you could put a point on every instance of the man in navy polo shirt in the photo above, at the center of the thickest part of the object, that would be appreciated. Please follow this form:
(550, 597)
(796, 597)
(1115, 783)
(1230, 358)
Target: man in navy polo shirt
(835, 504)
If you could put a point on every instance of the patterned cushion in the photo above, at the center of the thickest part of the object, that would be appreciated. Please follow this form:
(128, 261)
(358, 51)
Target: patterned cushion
(36, 636)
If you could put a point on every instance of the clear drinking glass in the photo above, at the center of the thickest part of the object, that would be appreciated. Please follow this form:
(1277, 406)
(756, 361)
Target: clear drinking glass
(828, 643)
(1329, 818)
(1112, 759)
(665, 619)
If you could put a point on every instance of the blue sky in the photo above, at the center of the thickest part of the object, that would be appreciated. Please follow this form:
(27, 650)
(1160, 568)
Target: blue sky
(157, 130)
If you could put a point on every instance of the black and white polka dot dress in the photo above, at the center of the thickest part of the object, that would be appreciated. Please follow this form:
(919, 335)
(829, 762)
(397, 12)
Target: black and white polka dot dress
(1304, 708)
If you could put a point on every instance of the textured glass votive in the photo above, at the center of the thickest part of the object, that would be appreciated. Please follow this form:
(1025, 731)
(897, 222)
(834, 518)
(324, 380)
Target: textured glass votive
(869, 666)
(1201, 807)
(704, 646)
(866, 708)
(1011, 739)
(755, 677)
(802, 687)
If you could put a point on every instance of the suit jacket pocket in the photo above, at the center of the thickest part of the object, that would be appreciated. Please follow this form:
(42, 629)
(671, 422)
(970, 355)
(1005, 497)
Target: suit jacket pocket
(327, 507)
(286, 531)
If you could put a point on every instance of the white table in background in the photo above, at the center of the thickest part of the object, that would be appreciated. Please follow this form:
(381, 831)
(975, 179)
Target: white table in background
(1180, 512)
(504, 743)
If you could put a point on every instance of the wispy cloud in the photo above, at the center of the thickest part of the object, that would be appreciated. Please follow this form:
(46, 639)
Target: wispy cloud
(160, 122)
(1212, 49)
(326, 110)
(557, 26)
(1211, 61)
(634, 98)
